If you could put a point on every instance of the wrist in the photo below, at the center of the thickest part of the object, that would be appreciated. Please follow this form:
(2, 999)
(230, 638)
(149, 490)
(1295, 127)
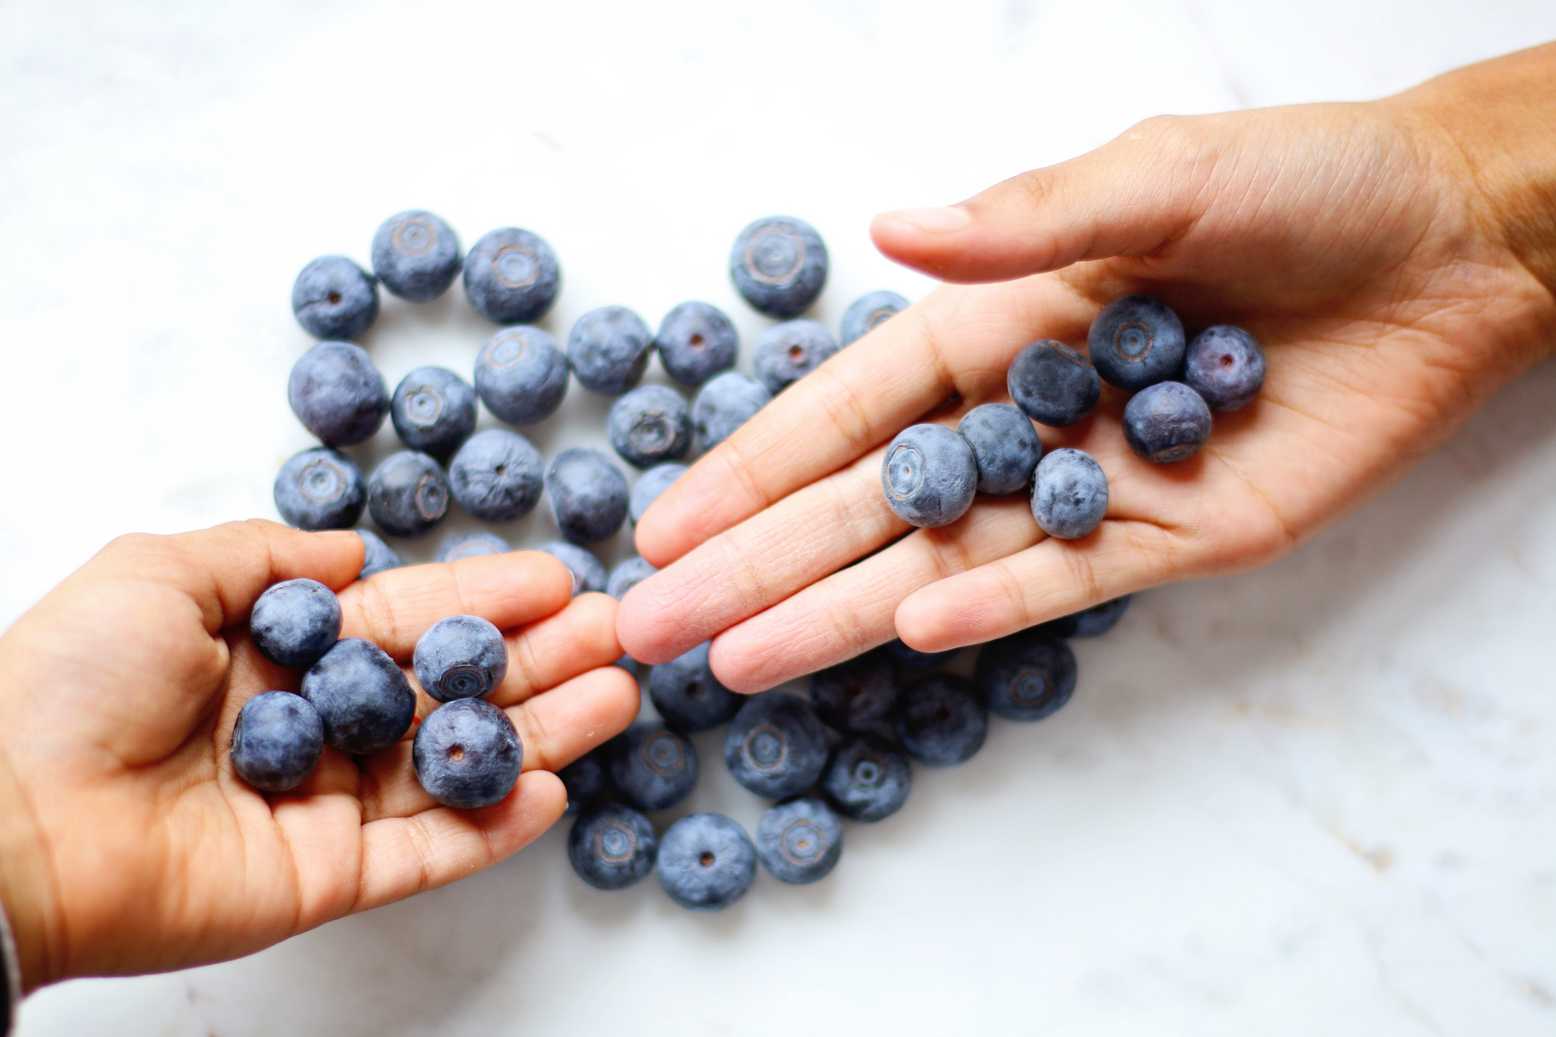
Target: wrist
(25, 891)
(1494, 120)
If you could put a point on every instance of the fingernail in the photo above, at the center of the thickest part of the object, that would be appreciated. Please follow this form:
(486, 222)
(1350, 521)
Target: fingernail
(945, 220)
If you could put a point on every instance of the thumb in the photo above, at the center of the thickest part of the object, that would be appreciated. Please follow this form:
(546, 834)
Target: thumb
(224, 569)
(1127, 198)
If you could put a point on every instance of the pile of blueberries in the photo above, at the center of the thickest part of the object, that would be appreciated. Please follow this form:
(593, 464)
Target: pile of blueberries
(931, 473)
(847, 750)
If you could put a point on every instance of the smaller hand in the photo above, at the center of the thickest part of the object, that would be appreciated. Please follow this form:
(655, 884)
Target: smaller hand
(128, 843)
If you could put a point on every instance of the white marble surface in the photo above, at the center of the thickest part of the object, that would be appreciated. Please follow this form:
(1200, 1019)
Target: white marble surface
(1317, 798)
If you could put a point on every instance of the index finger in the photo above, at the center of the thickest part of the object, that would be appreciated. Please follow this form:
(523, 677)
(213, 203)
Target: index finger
(957, 340)
(395, 607)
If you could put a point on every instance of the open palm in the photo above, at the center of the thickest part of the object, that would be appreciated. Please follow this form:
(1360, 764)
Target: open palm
(140, 849)
(1350, 239)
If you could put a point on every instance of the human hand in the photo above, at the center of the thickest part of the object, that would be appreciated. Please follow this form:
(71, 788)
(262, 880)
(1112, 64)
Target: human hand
(128, 842)
(1396, 259)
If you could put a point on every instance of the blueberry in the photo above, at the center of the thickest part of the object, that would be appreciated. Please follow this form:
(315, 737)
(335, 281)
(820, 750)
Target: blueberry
(588, 571)
(868, 780)
(776, 746)
(277, 741)
(799, 841)
(650, 424)
(376, 555)
(649, 486)
(433, 410)
(467, 754)
(706, 862)
(629, 572)
(416, 255)
(1166, 422)
(612, 846)
(320, 489)
(1026, 676)
(725, 403)
(869, 311)
(460, 657)
(1136, 341)
(472, 544)
(1225, 365)
(779, 265)
(1069, 494)
(912, 660)
(687, 695)
(587, 780)
(941, 722)
(512, 276)
(407, 493)
(787, 352)
(1005, 447)
(588, 495)
(856, 695)
(334, 298)
(337, 393)
(361, 695)
(608, 349)
(930, 475)
(1053, 384)
(521, 375)
(696, 341)
(1092, 622)
(631, 665)
(497, 475)
(653, 767)
(295, 622)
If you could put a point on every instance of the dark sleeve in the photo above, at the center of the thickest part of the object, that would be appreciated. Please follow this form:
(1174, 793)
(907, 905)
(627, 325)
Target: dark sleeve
(10, 977)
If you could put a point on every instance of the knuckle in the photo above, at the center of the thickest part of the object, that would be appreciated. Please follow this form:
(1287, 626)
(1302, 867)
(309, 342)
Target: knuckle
(1084, 574)
(844, 410)
(380, 620)
(133, 545)
(420, 841)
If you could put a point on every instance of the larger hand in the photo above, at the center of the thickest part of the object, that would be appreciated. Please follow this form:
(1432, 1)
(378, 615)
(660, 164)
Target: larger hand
(1396, 272)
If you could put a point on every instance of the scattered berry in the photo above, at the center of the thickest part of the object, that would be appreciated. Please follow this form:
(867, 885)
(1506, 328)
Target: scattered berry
(416, 255)
(512, 276)
(612, 846)
(337, 393)
(868, 312)
(779, 265)
(687, 696)
(334, 298)
(706, 862)
(407, 493)
(799, 841)
(320, 489)
(521, 375)
(696, 341)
